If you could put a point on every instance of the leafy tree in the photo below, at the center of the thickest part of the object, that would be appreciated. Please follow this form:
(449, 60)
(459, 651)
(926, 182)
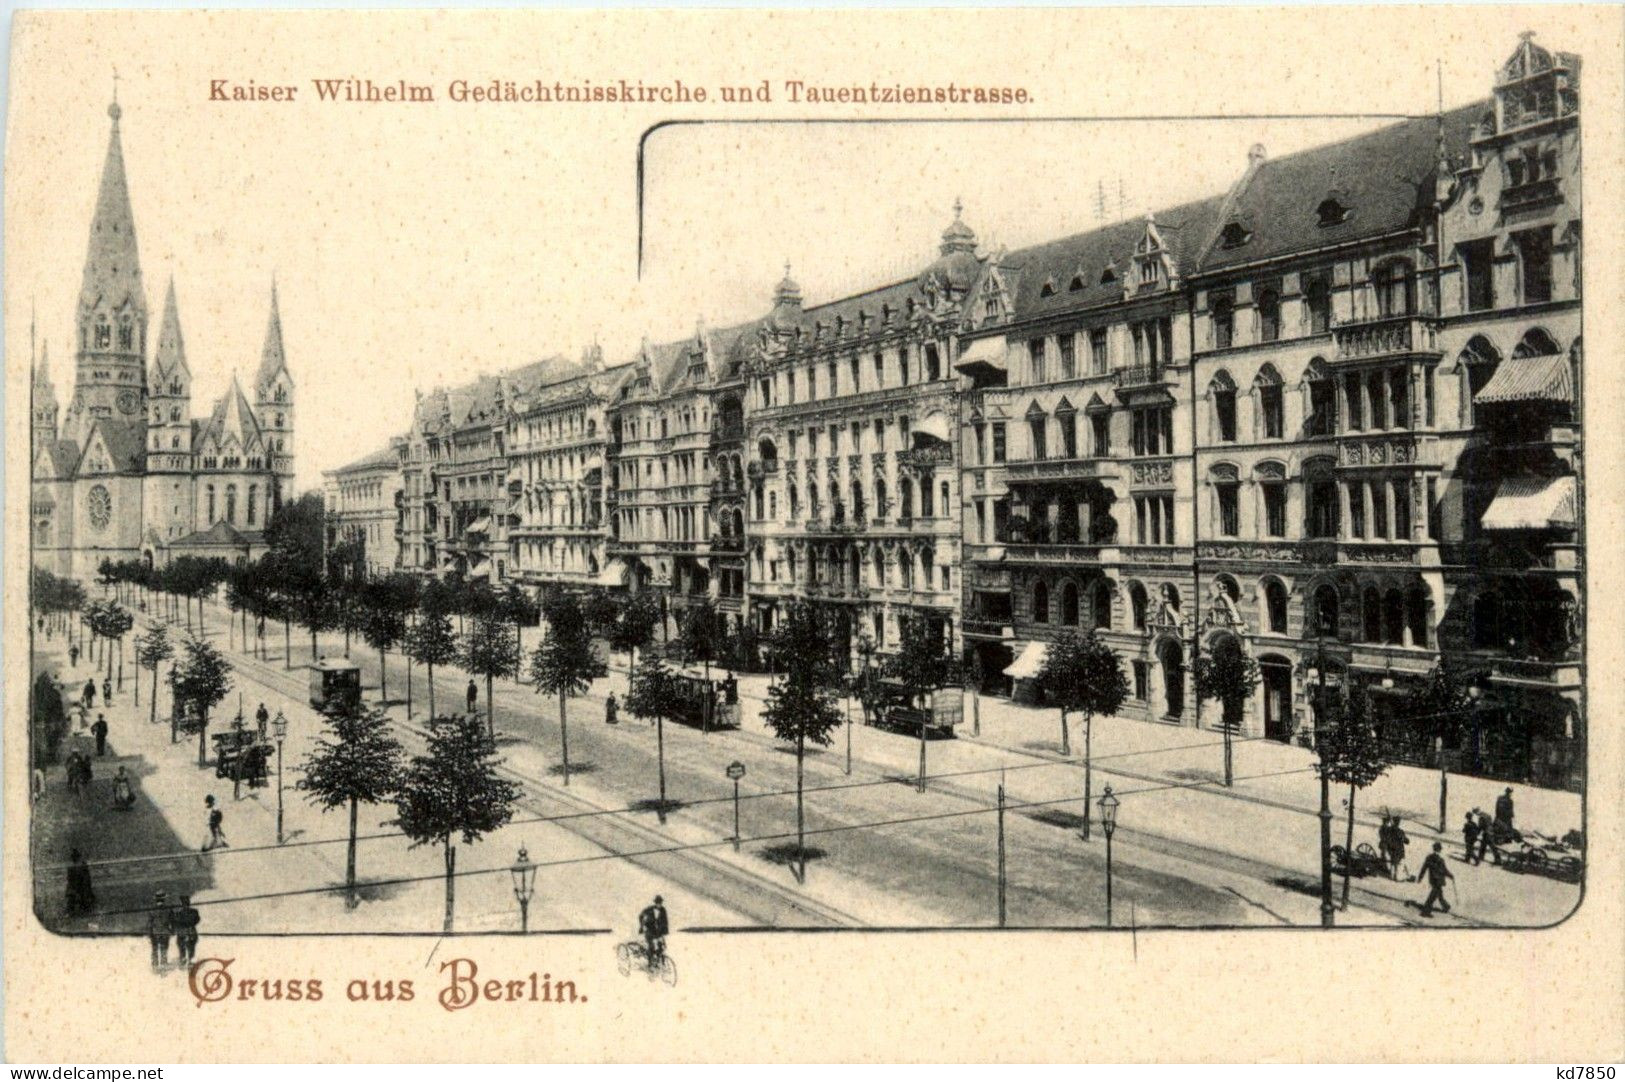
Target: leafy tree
(701, 638)
(800, 707)
(352, 610)
(200, 680)
(431, 642)
(1350, 752)
(1438, 706)
(565, 663)
(922, 665)
(295, 531)
(634, 627)
(1083, 675)
(490, 652)
(654, 694)
(382, 627)
(516, 605)
(116, 623)
(1230, 676)
(602, 610)
(454, 791)
(357, 761)
(151, 650)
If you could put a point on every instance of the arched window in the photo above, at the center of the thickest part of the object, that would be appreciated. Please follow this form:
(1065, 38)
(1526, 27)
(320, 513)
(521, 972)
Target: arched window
(905, 499)
(760, 501)
(1393, 617)
(1227, 498)
(1037, 428)
(1138, 602)
(1275, 606)
(1416, 606)
(1269, 314)
(795, 500)
(1069, 604)
(231, 504)
(1476, 364)
(1321, 408)
(1223, 315)
(1395, 287)
(1535, 343)
(253, 502)
(208, 491)
(1325, 611)
(1040, 604)
(1101, 604)
(1320, 503)
(1270, 422)
(1222, 391)
(880, 496)
(1371, 604)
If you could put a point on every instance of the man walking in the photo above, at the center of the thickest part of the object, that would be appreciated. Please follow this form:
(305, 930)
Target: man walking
(99, 731)
(610, 709)
(185, 921)
(1469, 836)
(473, 696)
(1486, 839)
(73, 656)
(263, 717)
(1503, 813)
(90, 693)
(217, 818)
(107, 692)
(1434, 870)
(158, 932)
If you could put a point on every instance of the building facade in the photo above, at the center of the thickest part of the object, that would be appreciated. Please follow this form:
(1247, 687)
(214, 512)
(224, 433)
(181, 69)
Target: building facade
(364, 507)
(127, 471)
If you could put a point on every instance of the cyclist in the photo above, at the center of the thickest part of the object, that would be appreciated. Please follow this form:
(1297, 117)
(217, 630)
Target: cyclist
(653, 926)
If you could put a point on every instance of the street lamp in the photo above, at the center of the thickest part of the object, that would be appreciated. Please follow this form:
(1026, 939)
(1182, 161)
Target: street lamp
(279, 728)
(1108, 823)
(1326, 919)
(524, 887)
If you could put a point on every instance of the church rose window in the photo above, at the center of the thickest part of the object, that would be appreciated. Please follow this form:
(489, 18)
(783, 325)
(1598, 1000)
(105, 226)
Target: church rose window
(100, 505)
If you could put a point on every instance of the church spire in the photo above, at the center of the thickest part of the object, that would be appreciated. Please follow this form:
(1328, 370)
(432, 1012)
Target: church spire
(112, 265)
(169, 361)
(272, 361)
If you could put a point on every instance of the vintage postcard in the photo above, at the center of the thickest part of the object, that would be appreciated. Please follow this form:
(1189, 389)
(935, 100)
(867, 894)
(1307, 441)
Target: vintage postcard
(973, 535)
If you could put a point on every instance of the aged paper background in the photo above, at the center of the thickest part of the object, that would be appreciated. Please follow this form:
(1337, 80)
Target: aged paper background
(1552, 995)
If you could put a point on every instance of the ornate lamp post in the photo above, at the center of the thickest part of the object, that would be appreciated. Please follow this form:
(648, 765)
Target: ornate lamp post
(524, 887)
(1108, 823)
(1326, 919)
(279, 729)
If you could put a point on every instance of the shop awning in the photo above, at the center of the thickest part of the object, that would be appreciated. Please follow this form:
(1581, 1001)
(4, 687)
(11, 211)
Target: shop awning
(480, 525)
(984, 357)
(1030, 663)
(1531, 503)
(613, 574)
(1529, 379)
(480, 570)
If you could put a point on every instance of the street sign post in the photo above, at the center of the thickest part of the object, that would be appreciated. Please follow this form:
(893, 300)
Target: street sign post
(735, 771)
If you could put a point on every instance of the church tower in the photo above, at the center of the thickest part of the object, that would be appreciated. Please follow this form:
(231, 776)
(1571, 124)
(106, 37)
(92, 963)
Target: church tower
(169, 397)
(273, 400)
(45, 408)
(109, 377)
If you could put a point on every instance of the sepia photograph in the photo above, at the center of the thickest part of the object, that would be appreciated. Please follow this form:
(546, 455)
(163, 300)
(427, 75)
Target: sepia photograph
(780, 514)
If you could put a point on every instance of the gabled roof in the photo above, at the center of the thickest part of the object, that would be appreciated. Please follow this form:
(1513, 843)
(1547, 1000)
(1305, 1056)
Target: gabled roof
(221, 533)
(1384, 178)
(232, 416)
(62, 456)
(125, 442)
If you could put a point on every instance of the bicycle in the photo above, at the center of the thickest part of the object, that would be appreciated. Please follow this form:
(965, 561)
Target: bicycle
(634, 952)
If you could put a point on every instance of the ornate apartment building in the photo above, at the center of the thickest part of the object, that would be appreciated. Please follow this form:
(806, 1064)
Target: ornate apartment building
(1330, 417)
(363, 505)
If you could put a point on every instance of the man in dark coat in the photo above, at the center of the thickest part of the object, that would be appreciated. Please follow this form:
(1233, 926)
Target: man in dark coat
(262, 717)
(158, 931)
(1469, 836)
(473, 696)
(1486, 839)
(653, 927)
(1503, 812)
(610, 709)
(184, 919)
(81, 896)
(73, 655)
(90, 693)
(1435, 871)
(99, 731)
(107, 692)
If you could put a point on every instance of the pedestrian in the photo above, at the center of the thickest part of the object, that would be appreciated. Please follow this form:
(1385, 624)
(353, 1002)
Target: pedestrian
(1503, 813)
(73, 656)
(263, 717)
(107, 692)
(610, 709)
(1436, 872)
(1398, 844)
(99, 731)
(158, 932)
(1486, 839)
(185, 919)
(1469, 836)
(473, 696)
(123, 792)
(81, 896)
(217, 818)
(90, 693)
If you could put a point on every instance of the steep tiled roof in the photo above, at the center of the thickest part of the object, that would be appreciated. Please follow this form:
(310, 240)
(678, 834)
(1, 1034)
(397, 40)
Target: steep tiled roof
(112, 266)
(221, 533)
(1384, 178)
(272, 359)
(64, 458)
(232, 415)
(383, 457)
(125, 442)
(866, 309)
(170, 359)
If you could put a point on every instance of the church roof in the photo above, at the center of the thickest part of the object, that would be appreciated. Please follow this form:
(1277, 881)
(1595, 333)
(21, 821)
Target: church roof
(112, 265)
(221, 533)
(232, 416)
(125, 442)
(44, 390)
(170, 358)
(64, 457)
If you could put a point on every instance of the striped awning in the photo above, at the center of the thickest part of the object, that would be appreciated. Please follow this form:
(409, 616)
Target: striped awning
(1030, 663)
(479, 525)
(1531, 503)
(1529, 379)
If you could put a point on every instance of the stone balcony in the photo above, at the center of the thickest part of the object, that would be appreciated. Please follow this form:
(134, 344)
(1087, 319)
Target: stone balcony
(1386, 337)
(1063, 469)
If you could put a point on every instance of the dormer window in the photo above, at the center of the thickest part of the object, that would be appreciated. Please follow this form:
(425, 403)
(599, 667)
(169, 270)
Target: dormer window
(1107, 276)
(1076, 285)
(885, 315)
(1048, 288)
(1331, 212)
(1234, 235)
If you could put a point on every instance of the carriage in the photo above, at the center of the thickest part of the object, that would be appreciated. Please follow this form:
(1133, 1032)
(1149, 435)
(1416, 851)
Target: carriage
(708, 703)
(241, 754)
(335, 683)
(893, 706)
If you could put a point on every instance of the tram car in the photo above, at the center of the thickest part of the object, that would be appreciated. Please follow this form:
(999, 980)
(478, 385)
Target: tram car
(939, 712)
(335, 684)
(698, 694)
